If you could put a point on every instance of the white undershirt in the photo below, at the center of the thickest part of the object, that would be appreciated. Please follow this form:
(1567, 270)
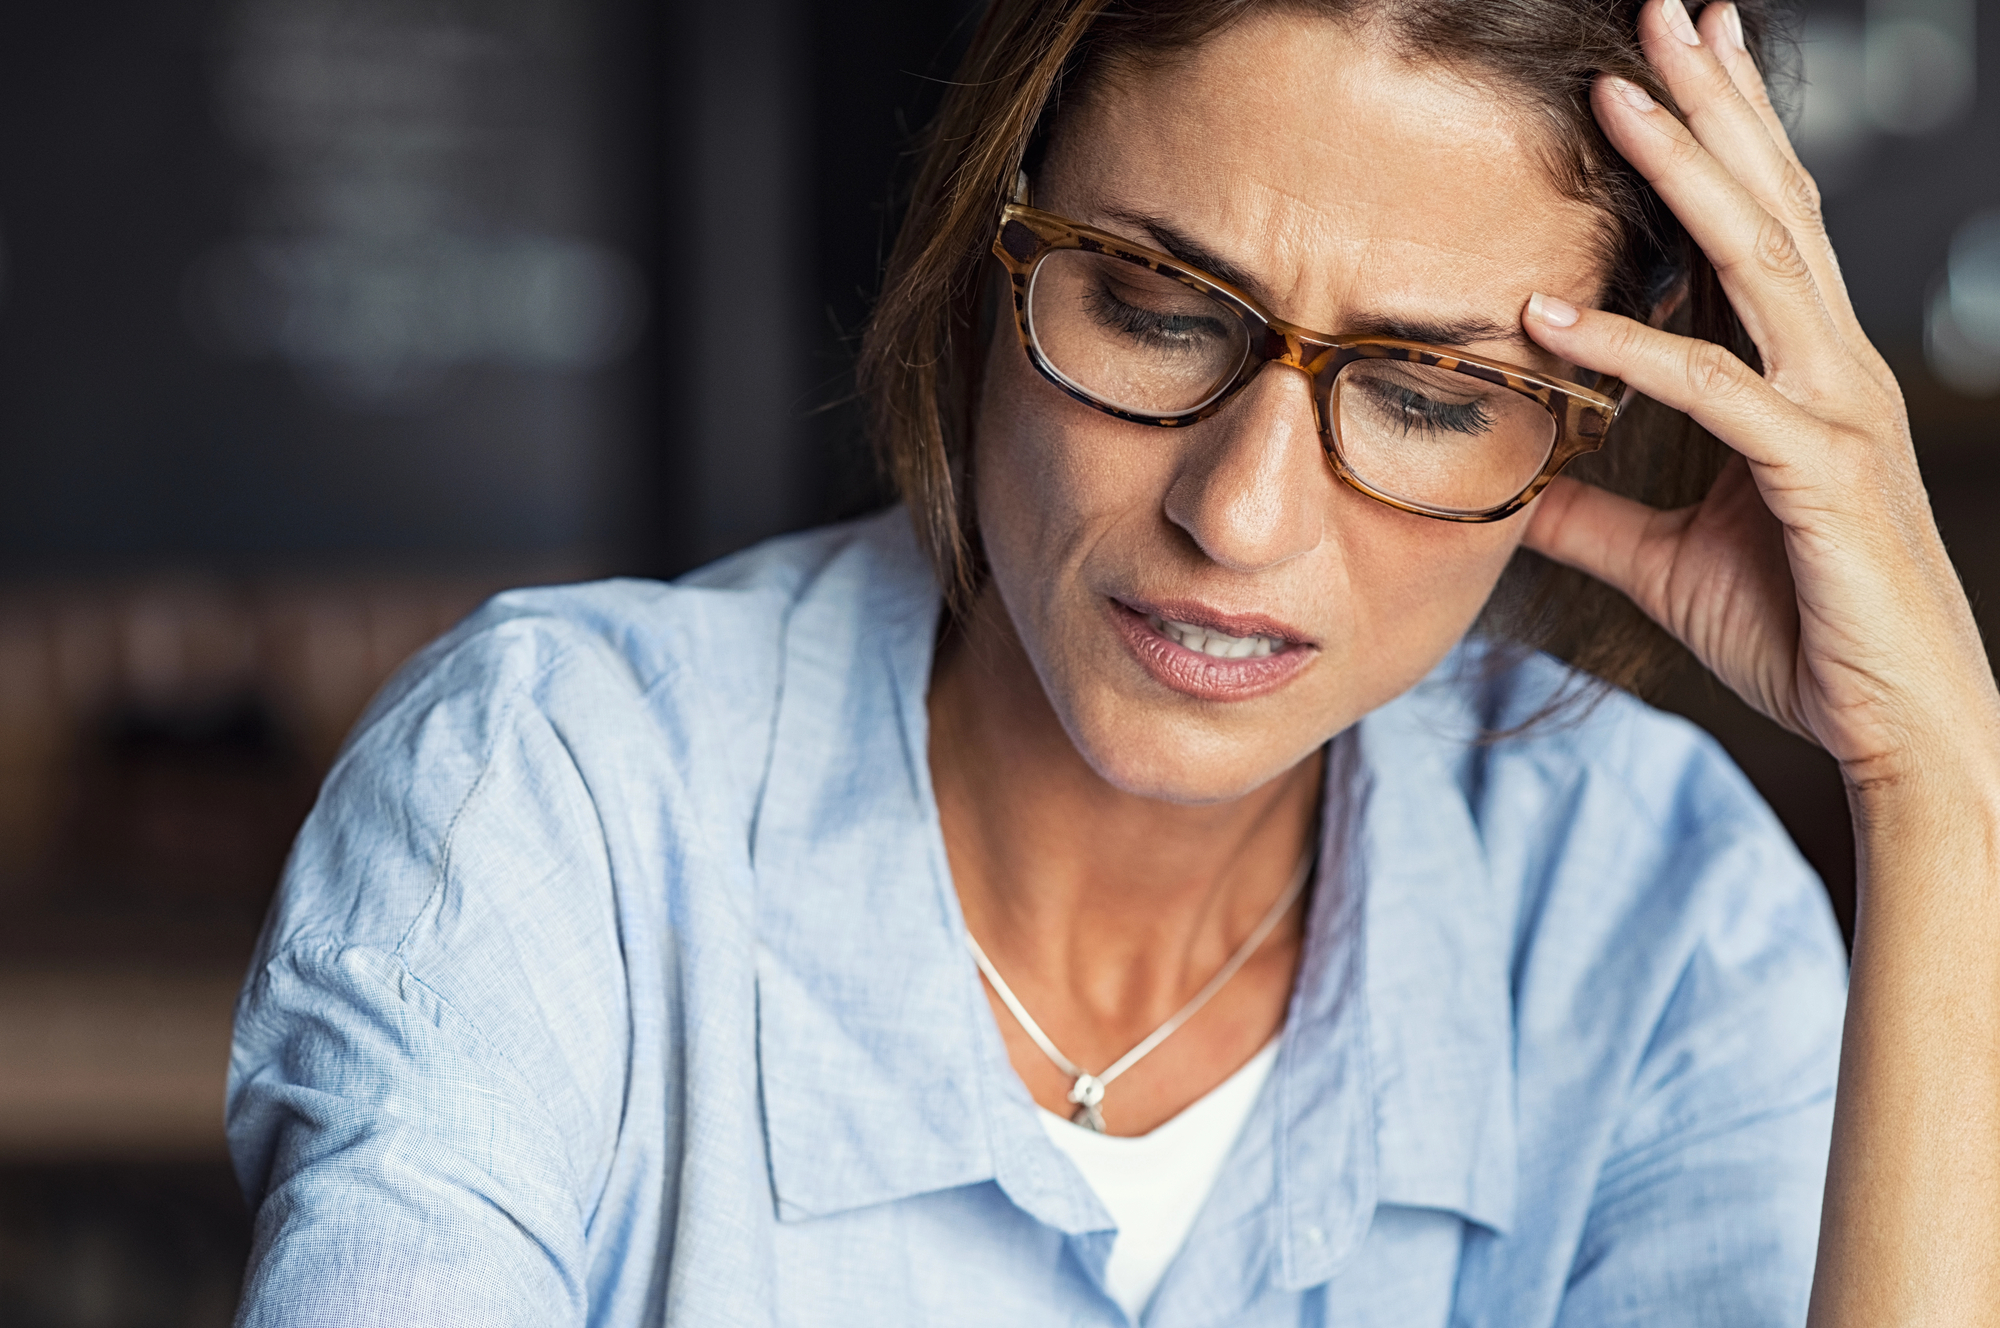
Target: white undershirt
(1153, 1185)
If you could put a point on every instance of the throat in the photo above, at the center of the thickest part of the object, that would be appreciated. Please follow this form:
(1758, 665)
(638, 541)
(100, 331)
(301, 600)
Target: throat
(1108, 922)
(1218, 1041)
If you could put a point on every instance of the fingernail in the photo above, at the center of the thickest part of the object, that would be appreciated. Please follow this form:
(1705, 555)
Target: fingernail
(1550, 310)
(1633, 95)
(1732, 23)
(1678, 22)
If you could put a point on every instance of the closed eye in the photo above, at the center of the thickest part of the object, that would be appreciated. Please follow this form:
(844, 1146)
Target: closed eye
(1416, 412)
(1153, 328)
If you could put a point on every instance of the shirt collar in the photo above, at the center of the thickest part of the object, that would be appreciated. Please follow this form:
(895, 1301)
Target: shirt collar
(1440, 954)
(1395, 1080)
(1415, 1020)
(883, 1075)
(869, 1053)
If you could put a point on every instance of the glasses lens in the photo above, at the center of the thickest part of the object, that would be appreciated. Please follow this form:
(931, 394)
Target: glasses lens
(1438, 438)
(1129, 337)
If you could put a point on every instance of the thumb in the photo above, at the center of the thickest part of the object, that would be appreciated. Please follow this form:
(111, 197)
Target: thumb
(1623, 543)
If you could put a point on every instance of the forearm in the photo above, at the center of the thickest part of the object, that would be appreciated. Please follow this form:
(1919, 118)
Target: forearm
(1911, 1232)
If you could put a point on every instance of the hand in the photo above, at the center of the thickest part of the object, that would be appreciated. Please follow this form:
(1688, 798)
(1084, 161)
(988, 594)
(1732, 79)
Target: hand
(1812, 579)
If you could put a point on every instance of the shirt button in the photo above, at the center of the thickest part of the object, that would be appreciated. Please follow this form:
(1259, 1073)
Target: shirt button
(1315, 1236)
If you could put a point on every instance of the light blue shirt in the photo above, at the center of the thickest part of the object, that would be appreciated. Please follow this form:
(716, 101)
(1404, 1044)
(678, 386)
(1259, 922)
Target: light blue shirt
(618, 978)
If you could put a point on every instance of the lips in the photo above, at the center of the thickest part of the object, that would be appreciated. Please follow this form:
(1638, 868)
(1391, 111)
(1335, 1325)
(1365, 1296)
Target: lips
(1211, 656)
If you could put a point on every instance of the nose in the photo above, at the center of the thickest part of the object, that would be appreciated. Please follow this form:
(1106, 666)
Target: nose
(1251, 488)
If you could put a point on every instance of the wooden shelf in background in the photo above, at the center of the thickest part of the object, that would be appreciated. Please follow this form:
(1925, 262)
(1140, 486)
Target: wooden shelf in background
(101, 1063)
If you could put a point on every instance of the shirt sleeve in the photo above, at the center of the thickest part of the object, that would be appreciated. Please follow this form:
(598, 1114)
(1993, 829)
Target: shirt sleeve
(410, 1178)
(431, 1055)
(1706, 1210)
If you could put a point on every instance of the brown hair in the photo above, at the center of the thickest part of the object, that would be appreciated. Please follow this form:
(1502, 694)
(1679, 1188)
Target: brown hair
(919, 362)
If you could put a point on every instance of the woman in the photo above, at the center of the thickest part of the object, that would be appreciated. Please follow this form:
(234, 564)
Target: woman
(1181, 917)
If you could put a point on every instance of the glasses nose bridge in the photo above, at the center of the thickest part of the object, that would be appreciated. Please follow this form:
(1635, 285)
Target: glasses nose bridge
(1293, 347)
(1281, 344)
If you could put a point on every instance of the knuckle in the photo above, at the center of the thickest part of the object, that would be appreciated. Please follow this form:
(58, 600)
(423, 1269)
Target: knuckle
(1778, 253)
(1755, 90)
(1711, 370)
(1716, 80)
(1628, 340)
(1802, 197)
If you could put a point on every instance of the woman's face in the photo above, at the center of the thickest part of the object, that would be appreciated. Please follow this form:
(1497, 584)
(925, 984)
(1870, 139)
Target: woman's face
(1353, 192)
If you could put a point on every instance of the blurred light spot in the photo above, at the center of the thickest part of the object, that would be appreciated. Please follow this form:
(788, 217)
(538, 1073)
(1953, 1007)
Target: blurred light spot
(371, 313)
(1909, 70)
(1962, 329)
(1833, 129)
(1917, 64)
(416, 205)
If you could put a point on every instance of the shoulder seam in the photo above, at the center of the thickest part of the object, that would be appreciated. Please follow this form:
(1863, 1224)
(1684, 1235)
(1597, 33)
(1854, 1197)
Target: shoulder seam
(441, 877)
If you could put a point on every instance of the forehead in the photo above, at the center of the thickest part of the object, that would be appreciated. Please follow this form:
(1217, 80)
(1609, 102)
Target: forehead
(1310, 154)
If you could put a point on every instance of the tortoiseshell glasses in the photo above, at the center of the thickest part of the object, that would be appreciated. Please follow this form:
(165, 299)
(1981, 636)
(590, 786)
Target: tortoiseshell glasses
(1147, 338)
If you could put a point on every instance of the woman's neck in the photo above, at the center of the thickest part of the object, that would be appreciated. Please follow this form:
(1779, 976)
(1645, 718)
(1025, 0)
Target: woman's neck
(1104, 909)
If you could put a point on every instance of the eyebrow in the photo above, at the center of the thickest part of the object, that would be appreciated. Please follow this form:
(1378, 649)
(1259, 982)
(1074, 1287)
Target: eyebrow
(1458, 332)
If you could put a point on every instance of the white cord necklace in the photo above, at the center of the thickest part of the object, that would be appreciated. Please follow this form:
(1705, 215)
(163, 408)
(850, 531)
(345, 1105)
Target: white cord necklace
(1088, 1091)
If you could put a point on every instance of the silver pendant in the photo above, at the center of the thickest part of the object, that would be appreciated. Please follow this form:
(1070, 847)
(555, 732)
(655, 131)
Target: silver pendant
(1087, 1093)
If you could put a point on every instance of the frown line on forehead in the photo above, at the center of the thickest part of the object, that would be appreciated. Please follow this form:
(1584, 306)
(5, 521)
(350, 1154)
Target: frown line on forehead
(1445, 332)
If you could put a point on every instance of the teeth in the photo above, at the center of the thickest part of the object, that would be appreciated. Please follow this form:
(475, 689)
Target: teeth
(1214, 643)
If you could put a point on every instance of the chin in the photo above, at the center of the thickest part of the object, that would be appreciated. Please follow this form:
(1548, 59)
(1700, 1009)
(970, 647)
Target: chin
(1143, 752)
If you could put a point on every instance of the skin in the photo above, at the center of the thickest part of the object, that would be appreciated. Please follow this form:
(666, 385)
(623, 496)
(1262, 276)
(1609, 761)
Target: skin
(1114, 840)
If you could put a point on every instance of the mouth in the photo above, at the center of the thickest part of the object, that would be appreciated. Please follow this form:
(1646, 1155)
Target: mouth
(1215, 644)
(1211, 656)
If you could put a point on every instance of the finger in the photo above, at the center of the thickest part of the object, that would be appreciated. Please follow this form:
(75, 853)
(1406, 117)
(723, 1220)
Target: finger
(1762, 268)
(1689, 59)
(1721, 92)
(1668, 564)
(1721, 28)
(1713, 387)
(1790, 193)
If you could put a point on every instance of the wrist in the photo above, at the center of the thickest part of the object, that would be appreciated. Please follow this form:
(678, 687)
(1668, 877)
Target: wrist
(1944, 747)
(1927, 835)
(1956, 796)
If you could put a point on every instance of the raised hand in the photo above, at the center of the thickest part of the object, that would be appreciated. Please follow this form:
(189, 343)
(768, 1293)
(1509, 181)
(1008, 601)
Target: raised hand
(1812, 579)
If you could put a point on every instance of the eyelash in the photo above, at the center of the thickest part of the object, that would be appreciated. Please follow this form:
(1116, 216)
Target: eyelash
(1419, 411)
(1176, 330)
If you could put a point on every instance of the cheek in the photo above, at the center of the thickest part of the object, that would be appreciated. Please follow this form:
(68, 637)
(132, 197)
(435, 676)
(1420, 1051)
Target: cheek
(1416, 584)
(1050, 475)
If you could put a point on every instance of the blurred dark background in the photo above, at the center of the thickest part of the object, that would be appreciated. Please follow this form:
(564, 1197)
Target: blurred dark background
(322, 319)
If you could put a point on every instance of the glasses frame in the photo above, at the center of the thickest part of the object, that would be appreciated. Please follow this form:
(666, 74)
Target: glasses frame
(1582, 415)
